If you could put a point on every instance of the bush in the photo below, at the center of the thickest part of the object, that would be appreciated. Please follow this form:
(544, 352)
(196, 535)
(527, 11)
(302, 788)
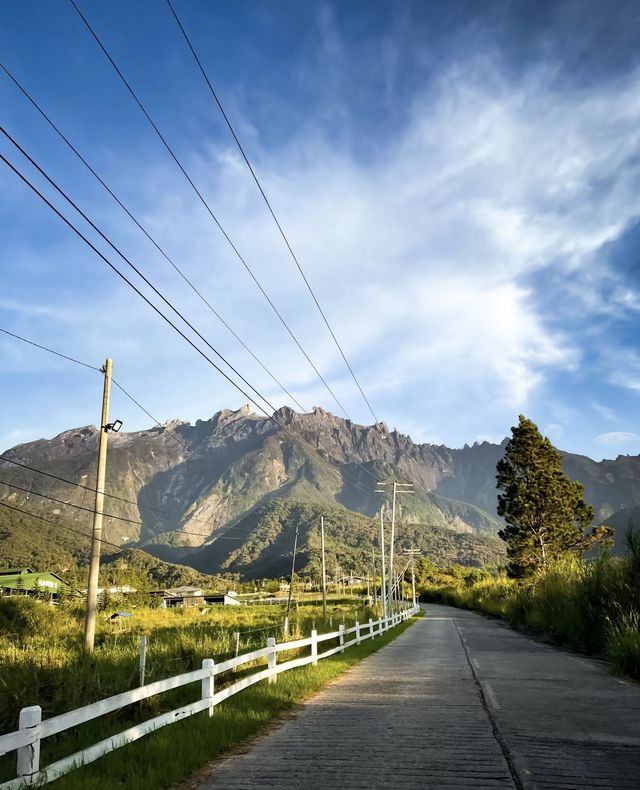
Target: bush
(623, 644)
(23, 617)
(590, 605)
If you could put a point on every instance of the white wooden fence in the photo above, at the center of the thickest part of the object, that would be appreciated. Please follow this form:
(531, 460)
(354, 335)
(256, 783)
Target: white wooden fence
(32, 729)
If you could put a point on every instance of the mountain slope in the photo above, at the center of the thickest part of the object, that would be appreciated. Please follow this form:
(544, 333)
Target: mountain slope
(184, 494)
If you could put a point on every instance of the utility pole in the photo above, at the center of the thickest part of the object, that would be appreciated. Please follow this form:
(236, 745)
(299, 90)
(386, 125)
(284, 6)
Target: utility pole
(94, 567)
(293, 569)
(324, 572)
(398, 488)
(383, 579)
(413, 553)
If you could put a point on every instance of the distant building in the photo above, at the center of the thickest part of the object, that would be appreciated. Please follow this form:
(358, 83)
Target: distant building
(352, 581)
(123, 589)
(222, 598)
(25, 581)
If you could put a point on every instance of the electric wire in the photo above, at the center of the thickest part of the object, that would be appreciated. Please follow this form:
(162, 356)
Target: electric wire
(133, 266)
(106, 515)
(114, 268)
(70, 504)
(199, 194)
(92, 367)
(92, 170)
(71, 483)
(65, 526)
(51, 351)
(269, 206)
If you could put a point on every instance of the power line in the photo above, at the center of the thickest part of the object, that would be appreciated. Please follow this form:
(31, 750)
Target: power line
(64, 526)
(92, 170)
(69, 504)
(133, 266)
(205, 203)
(105, 515)
(188, 450)
(125, 279)
(71, 483)
(154, 307)
(51, 351)
(268, 204)
(93, 367)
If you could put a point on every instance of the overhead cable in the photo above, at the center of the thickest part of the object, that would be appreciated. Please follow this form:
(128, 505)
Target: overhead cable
(117, 271)
(160, 249)
(204, 202)
(269, 206)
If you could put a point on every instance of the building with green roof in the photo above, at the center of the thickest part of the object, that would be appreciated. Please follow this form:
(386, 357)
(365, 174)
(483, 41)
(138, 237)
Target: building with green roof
(16, 581)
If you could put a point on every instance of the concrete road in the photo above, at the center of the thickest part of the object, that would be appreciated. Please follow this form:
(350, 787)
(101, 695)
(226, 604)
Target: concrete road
(457, 701)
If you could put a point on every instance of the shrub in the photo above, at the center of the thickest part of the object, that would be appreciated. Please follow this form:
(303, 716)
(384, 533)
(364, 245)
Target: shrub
(23, 617)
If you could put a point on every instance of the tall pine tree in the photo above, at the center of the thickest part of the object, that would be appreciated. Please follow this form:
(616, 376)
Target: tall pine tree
(545, 513)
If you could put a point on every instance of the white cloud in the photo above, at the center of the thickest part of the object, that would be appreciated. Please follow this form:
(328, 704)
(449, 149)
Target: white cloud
(422, 257)
(617, 437)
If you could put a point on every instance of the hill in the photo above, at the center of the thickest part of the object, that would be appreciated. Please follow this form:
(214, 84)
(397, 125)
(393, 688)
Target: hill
(183, 487)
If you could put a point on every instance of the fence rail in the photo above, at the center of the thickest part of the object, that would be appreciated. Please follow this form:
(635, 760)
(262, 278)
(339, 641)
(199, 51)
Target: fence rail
(32, 729)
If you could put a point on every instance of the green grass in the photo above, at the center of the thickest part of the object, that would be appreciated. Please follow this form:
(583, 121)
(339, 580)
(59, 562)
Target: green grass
(43, 662)
(169, 755)
(592, 606)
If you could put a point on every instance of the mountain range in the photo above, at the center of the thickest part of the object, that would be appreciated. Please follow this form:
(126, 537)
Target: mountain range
(225, 494)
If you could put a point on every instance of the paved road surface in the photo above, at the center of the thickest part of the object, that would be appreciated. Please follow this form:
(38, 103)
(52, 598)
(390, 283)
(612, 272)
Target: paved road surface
(457, 701)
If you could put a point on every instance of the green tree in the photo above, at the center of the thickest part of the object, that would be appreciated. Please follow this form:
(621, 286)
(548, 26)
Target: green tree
(545, 513)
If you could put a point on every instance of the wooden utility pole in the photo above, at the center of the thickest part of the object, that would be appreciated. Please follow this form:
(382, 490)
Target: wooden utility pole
(94, 567)
(324, 572)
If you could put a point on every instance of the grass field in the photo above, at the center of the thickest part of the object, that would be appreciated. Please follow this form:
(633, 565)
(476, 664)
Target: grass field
(192, 743)
(43, 663)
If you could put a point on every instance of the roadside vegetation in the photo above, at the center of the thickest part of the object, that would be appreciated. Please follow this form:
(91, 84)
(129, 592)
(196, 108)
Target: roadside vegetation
(194, 742)
(43, 662)
(591, 605)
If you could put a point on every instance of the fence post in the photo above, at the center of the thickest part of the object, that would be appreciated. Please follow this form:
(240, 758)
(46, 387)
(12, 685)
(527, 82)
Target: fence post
(341, 636)
(272, 658)
(143, 657)
(29, 756)
(237, 650)
(371, 634)
(208, 683)
(357, 632)
(314, 648)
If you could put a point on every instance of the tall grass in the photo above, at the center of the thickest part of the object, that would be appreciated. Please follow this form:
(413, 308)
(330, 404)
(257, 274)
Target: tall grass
(43, 662)
(592, 606)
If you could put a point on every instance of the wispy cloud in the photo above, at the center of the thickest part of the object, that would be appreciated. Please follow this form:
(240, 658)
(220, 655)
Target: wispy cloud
(425, 252)
(617, 437)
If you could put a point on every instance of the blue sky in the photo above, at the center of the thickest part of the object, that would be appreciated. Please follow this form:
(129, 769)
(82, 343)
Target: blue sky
(460, 181)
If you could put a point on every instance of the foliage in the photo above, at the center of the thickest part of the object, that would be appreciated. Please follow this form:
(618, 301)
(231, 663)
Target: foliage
(545, 513)
(590, 605)
(263, 542)
(21, 616)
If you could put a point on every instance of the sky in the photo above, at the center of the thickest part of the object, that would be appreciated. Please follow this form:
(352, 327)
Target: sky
(460, 182)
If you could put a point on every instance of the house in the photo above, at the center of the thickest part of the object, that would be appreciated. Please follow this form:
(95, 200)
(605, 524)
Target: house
(25, 581)
(179, 596)
(222, 598)
(353, 581)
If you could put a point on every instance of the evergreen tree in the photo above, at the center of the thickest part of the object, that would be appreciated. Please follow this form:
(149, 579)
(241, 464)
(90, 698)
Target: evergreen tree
(545, 513)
